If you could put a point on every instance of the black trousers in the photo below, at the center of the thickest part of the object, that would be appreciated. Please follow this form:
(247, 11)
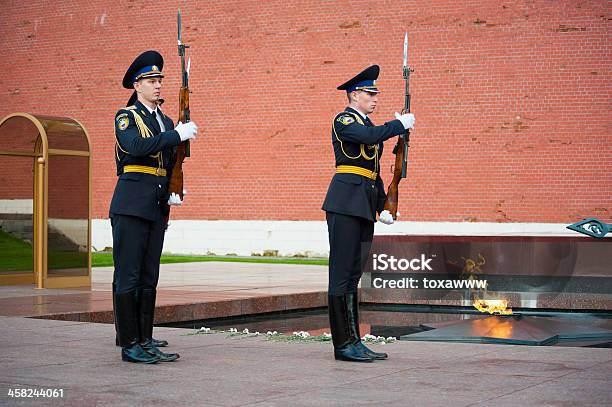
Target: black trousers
(350, 240)
(137, 247)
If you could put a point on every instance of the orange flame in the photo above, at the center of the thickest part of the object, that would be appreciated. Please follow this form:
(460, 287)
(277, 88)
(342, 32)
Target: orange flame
(499, 307)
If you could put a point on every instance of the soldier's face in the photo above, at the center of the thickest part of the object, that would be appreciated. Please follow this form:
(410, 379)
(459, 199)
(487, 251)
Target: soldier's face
(366, 101)
(149, 89)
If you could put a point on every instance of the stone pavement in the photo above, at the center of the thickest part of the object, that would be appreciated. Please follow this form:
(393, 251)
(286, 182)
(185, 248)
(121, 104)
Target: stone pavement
(81, 359)
(214, 370)
(186, 291)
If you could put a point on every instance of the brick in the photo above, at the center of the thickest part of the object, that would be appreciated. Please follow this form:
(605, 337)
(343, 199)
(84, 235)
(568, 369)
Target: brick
(512, 100)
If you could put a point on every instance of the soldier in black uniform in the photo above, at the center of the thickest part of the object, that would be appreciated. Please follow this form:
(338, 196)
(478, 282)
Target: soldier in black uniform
(144, 153)
(355, 195)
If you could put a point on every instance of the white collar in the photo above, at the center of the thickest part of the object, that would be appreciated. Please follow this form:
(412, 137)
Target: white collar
(365, 116)
(149, 109)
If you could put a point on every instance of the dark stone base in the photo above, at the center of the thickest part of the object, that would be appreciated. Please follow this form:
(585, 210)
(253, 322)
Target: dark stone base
(517, 330)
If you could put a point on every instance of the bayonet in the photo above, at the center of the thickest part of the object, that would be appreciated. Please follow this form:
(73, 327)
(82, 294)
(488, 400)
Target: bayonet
(406, 74)
(179, 30)
(181, 52)
(405, 50)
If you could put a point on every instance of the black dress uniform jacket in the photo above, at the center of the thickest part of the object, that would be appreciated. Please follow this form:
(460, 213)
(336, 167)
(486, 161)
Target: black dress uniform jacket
(357, 142)
(141, 194)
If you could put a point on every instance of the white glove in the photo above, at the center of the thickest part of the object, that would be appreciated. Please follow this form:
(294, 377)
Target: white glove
(386, 217)
(174, 199)
(406, 119)
(186, 130)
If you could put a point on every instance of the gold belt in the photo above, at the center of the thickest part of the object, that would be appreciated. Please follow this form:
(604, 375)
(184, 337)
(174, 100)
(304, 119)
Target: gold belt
(160, 172)
(351, 169)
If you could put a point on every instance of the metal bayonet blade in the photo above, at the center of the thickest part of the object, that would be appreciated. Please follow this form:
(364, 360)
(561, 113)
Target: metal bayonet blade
(179, 26)
(188, 65)
(406, 49)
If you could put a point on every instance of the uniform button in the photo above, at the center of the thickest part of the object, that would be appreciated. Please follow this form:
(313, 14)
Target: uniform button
(159, 185)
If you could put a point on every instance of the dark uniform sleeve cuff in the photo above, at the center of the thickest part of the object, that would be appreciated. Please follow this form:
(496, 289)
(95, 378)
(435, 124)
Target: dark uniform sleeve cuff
(396, 127)
(177, 139)
(399, 125)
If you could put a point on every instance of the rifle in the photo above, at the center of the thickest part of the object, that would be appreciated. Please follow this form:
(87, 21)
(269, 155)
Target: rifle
(182, 150)
(401, 148)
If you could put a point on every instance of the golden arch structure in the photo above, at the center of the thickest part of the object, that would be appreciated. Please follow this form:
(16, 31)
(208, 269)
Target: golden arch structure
(45, 201)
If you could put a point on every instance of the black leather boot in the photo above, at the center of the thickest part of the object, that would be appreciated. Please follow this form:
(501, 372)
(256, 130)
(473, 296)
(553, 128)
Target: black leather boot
(126, 311)
(147, 315)
(159, 343)
(344, 346)
(353, 306)
(115, 316)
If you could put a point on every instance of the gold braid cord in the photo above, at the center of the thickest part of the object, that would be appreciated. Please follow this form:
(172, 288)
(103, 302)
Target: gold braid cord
(142, 127)
(362, 146)
(144, 132)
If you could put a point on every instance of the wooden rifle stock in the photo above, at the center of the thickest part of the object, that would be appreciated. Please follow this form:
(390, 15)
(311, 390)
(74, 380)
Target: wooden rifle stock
(392, 192)
(182, 150)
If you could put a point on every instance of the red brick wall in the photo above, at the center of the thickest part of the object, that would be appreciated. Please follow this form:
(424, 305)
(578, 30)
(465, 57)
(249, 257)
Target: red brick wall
(17, 134)
(512, 99)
